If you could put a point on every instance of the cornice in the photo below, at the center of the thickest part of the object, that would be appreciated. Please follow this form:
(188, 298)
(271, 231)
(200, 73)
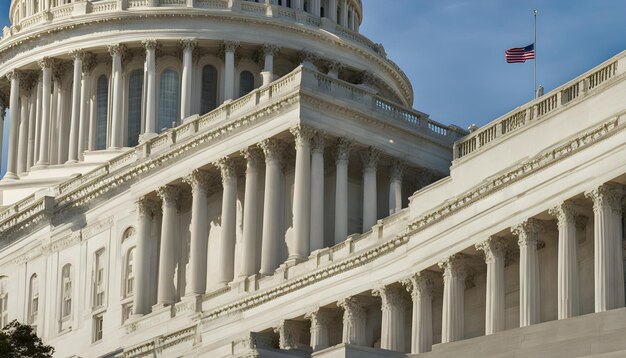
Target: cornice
(37, 33)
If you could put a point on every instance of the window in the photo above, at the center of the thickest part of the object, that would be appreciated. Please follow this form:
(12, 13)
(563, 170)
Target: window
(209, 89)
(127, 311)
(246, 83)
(102, 111)
(169, 99)
(66, 291)
(4, 299)
(129, 280)
(33, 300)
(135, 93)
(98, 325)
(99, 280)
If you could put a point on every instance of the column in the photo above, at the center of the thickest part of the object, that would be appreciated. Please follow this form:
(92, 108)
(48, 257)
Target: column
(32, 119)
(117, 100)
(341, 189)
(150, 116)
(369, 159)
(334, 67)
(343, 13)
(78, 56)
(315, 8)
(332, 10)
(14, 103)
(229, 223)
(528, 238)
(167, 258)
(46, 88)
(229, 69)
(3, 112)
(302, 194)
(606, 199)
(199, 229)
(393, 309)
(494, 249)
(273, 150)
(567, 260)
(145, 212)
(307, 59)
(83, 131)
(317, 192)
(320, 318)
(454, 275)
(395, 186)
(290, 333)
(421, 286)
(354, 319)
(269, 51)
(22, 142)
(188, 46)
(37, 119)
(249, 264)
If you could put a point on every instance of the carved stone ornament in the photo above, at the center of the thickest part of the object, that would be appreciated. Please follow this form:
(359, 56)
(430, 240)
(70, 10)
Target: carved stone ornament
(253, 156)
(198, 180)
(169, 194)
(46, 62)
(352, 308)
(270, 50)
(397, 170)
(420, 285)
(188, 44)
(335, 66)
(273, 149)
(606, 195)
(116, 49)
(307, 56)
(150, 44)
(369, 158)
(494, 247)
(528, 232)
(342, 149)
(231, 46)
(77, 54)
(455, 267)
(320, 317)
(318, 142)
(302, 134)
(564, 213)
(228, 170)
(13, 74)
(367, 78)
(390, 296)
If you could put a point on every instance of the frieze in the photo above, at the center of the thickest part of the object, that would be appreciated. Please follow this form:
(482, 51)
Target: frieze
(58, 245)
(94, 229)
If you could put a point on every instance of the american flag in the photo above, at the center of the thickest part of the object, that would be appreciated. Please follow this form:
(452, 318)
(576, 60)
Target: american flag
(520, 54)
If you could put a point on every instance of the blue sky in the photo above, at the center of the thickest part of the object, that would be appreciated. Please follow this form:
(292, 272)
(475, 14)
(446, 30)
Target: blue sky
(453, 50)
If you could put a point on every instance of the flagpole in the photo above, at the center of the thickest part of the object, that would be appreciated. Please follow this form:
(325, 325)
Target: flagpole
(535, 46)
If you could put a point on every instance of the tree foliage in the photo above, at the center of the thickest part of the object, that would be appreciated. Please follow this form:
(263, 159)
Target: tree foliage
(20, 341)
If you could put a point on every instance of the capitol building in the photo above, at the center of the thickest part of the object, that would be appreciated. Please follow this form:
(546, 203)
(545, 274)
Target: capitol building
(231, 178)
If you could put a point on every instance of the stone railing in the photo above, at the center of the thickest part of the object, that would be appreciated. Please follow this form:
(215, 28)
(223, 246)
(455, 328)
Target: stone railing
(298, 80)
(560, 97)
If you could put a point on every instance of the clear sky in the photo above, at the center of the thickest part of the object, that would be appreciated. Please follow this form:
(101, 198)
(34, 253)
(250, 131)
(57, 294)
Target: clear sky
(453, 50)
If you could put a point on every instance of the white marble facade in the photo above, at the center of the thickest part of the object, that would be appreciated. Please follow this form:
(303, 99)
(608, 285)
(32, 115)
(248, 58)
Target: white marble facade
(225, 178)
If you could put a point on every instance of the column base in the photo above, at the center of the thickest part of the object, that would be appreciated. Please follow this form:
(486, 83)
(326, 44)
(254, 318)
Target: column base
(8, 176)
(71, 161)
(39, 166)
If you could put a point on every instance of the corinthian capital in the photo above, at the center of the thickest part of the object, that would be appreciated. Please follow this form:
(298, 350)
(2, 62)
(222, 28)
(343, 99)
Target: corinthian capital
(227, 169)
(454, 267)
(253, 157)
(319, 142)
(77, 54)
(146, 207)
(231, 46)
(606, 195)
(367, 78)
(390, 296)
(302, 134)
(273, 149)
(189, 44)
(116, 49)
(494, 247)
(397, 170)
(342, 149)
(335, 66)
(420, 285)
(150, 44)
(270, 50)
(14, 74)
(352, 308)
(528, 232)
(45, 62)
(169, 194)
(307, 56)
(370, 158)
(198, 180)
(564, 213)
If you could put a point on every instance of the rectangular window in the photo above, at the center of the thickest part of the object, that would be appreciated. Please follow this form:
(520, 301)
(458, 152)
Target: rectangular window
(127, 311)
(67, 297)
(4, 313)
(99, 280)
(98, 323)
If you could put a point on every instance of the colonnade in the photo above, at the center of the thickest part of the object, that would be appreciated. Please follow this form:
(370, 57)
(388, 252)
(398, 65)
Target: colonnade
(456, 271)
(308, 212)
(39, 122)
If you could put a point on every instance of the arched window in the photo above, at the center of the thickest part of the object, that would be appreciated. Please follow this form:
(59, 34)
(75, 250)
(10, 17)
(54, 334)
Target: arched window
(99, 279)
(66, 291)
(128, 233)
(129, 280)
(246, 83)
(4, 301)
(209, 89)
(33, 300)
(102, 111)
(135, 92)
(169, 99)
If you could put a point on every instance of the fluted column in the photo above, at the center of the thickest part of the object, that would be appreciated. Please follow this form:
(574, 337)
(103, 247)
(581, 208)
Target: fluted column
(32, 123)
(199, 228)
(3, 113)
(117, 100)
(395, 186)
(249, 265)
(393, 309)
(369, 159)
(354, 316)
(229, 224)
(167, 259)
(188, 46)
(332, 10)
(78, 56)
(494, 249)
(302, 194)
(271, 205)
(145, 213)
(606, 201)
(567, 260)
(454, 275)
(343, 13)
(44, 141)
(321, 319)
(528, 239)
(14, 121)
(421, 286)
(317, 192)
(290, 333)
(38, 120)
(268, 69)
(229, 69)
(341, 189)
(22, 142)
(83, 131)
(150, 76)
